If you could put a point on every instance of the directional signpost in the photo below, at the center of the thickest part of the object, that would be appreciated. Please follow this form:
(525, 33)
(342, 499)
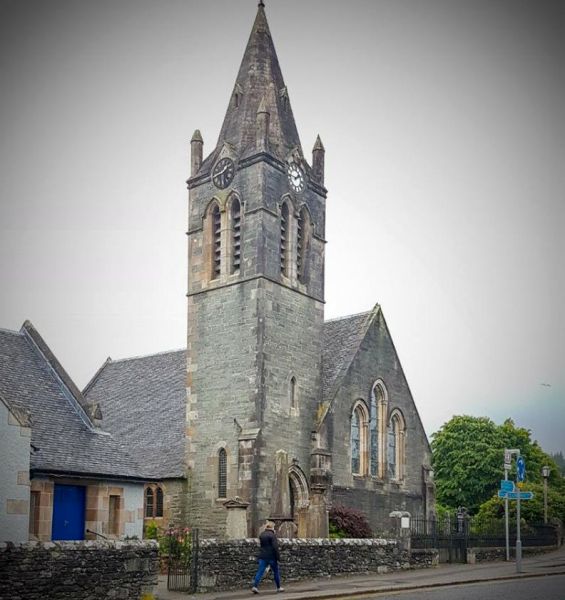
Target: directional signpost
(508, 491)
(515, 495)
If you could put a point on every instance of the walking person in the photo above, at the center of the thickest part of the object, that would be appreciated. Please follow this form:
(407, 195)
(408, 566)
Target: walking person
(268, 557)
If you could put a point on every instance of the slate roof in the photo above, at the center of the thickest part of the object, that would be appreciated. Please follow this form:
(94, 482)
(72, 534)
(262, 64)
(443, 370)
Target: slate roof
(143, 399)
(143, 404)
(342, 338)
(259, 80)
(63, 438)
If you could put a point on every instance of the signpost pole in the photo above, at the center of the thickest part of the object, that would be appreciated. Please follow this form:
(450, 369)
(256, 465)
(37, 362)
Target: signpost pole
(506, 528)
(518, 539)
(507, 459)
(520, 475)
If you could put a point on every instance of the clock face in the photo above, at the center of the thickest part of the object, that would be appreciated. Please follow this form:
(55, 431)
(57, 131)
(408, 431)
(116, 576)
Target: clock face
(223, 173)
(295, 177)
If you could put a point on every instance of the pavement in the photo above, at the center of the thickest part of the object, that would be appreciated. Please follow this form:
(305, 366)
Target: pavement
(552, 563)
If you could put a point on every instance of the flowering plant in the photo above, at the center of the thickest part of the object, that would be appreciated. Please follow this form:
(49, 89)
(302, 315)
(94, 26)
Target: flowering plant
(176, 543)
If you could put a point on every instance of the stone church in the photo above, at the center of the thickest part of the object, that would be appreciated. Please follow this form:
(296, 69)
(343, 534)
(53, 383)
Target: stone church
(272, 410)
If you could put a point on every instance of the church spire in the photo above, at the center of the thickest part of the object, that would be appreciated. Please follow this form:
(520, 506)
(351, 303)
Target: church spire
(259, 85)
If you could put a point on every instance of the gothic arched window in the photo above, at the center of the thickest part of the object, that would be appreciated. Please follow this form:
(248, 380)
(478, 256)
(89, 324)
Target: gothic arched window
(149, 503)
(235, 235)
(395, 446)
(158, 502)
(216, 224)
(285, 241)
(222, 473)
(292, 393)
(359, 439)
(154, 501)
(374, 429)
(378, 428)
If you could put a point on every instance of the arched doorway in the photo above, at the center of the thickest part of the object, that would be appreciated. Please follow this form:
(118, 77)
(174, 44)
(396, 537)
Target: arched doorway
(299, 499)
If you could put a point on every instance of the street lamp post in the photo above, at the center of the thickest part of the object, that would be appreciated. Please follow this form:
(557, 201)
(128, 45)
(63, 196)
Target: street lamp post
(545, 473)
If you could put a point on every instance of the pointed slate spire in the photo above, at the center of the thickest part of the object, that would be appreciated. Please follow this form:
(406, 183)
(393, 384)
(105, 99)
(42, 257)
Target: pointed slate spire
(259, 79)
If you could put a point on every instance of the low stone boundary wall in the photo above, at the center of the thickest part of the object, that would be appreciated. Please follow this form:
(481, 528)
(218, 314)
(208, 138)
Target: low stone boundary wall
(486, 554)
(72, 570)
(232, 564)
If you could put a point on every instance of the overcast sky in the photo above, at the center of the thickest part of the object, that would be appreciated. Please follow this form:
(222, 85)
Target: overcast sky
(444, 129)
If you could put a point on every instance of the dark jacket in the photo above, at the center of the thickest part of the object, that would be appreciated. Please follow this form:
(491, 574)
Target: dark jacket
(269, 548)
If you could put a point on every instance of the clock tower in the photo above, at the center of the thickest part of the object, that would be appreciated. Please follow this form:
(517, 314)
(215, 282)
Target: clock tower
(255, 301)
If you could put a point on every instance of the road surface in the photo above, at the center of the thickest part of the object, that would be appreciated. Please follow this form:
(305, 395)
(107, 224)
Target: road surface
(550, 587)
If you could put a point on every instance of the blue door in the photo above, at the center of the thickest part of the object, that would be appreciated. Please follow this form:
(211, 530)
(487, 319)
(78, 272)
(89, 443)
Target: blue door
(68, 512)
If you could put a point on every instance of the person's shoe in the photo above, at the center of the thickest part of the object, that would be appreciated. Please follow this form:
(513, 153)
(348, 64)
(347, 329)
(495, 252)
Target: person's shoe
(280, 589)
(254, 590)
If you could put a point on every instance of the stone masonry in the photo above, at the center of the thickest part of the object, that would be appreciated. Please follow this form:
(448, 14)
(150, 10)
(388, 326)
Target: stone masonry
(232, 565)
(72, 570)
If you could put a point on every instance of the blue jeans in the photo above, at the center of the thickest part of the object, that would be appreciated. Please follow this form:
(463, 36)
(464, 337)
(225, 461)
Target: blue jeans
(261, 571)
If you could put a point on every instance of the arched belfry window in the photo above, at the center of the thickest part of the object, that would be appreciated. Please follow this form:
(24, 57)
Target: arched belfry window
(216, 224)
(285, 239)
(302, 242)
(222, 473)
(359, 423)
(235, 215)
(395, 446)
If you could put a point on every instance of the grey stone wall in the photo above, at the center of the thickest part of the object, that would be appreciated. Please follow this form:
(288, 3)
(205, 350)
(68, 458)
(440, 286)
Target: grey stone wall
(229, 565)
(248, 333)
(477, 555)
(72, 570)
(376, 497)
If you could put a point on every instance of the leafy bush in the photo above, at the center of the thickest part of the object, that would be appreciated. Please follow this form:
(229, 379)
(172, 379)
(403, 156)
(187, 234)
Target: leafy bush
(151, 531)
(347, 522)
(176, 543)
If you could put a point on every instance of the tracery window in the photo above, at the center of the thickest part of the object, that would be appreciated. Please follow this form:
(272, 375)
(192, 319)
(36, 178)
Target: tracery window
(374, 430)
(359, 439)
(222, 473)
(153, 501)
(395, 446)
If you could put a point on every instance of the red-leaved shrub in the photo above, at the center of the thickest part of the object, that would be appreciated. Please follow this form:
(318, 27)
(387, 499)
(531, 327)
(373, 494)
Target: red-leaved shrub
(349, 522)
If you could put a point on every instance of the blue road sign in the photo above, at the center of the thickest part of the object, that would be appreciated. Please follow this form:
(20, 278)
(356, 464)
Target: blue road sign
(507, 486)
(520, 469)
(515, 495)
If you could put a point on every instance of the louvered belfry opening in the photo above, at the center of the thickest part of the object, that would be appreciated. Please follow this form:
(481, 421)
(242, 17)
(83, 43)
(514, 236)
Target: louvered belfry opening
(236, 235)
(284, 239)
(216, 235)
(300, 243)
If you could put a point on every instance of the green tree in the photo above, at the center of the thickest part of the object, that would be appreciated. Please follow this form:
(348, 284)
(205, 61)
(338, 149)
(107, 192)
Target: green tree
(468, 456)
(467, 459)
(559, 460)
(531, 511)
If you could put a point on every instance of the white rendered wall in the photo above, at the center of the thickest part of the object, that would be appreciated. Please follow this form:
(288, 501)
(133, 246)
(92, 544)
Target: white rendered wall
(133, 505)
(14, 478)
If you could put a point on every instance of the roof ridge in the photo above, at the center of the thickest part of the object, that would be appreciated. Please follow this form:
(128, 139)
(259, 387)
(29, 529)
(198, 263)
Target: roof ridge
(364, 312)
(125, 359)
(4, 330)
